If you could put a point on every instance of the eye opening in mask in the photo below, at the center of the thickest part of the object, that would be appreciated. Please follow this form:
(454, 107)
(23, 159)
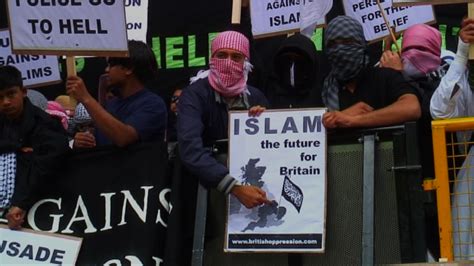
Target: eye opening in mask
(233, 55)
(338, 41)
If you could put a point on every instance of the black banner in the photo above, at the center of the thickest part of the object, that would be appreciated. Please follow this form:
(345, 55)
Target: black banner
(117, 200)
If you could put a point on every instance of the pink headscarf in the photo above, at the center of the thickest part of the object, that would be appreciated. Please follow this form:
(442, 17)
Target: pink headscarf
(55, 109)
(426, 59)
(226, 76)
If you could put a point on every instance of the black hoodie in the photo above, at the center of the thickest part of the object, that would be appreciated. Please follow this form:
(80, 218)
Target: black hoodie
(300, 87)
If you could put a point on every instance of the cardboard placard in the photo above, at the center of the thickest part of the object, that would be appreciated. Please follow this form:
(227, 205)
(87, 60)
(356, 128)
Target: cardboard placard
(36, 70)
(371, 18)
(270, 18)
(33, 248)
(74, 27)
(283, 152)
(429, 2)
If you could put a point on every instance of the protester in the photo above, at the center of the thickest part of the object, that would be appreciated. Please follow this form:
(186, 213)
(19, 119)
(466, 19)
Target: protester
(173, 115)
(67, 104)
(293, 83)
(57, 111)
(359, 95)
(422, 64)
(32, 146)
(454, 98)
(82, 124)
(37, 99)
(136, 114)
(203, 118)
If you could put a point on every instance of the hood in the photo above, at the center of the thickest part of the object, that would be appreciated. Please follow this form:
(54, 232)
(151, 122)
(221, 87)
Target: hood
(295, 65)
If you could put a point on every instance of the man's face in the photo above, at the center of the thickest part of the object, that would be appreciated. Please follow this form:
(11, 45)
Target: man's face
(11, 102)
(117, 74)
(174, 101)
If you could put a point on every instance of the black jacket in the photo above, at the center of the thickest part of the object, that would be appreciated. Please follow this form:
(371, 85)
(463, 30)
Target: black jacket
(38, 130)
(201, 121)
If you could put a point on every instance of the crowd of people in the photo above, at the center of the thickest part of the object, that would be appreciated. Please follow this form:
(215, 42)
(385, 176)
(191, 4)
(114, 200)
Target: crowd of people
(420, 83)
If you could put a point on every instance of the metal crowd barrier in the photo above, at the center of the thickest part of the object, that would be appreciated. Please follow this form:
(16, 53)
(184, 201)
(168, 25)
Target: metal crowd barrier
(374, 206)
(454, 186)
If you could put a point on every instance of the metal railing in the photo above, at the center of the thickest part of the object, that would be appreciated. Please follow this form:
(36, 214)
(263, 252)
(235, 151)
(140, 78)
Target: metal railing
(454, 186)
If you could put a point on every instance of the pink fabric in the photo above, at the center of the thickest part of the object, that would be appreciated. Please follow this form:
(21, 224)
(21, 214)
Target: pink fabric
(55, 109)
(231, 40)
(227, 77)
(422, 47)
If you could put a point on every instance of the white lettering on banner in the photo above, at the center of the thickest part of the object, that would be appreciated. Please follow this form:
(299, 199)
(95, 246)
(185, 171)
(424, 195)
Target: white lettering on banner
(56, 217)
(131, 260)
(367, 12)
(108, 207)
(81, 27)
(166, 204)
(133, 203)
(81, 213)
(35, 69)
(80, 206)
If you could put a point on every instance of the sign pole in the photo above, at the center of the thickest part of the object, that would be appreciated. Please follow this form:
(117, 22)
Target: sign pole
(71, 71)
(392, 34)
(236, 11)
(470, 8)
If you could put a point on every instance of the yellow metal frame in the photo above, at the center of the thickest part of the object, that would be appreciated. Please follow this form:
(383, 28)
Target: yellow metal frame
(441, 181)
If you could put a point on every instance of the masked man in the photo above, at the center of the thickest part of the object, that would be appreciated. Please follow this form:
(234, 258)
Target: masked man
(203, 115)
(357, 94)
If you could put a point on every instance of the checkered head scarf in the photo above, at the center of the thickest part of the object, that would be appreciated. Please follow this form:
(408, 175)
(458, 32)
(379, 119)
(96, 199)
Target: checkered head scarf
(81, 116)
(347, 60)
(228, 77)
(423, 36)
(7, 178)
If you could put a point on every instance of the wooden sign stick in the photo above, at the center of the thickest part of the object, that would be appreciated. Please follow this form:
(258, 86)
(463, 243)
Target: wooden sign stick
(236, 11)
(389, 28)
(71, 71)
(470, 8)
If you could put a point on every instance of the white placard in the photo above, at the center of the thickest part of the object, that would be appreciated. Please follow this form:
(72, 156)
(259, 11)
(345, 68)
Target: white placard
(430, 2)
(137, 19)
(271, 17)
(284, 153)
(73, 27)
(371, 18)
(26, 247)
(36, 70)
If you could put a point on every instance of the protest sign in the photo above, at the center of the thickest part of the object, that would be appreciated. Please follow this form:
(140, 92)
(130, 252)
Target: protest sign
(429, 2)
(137, 19)
(33, 248)
(271, 17)
(37, 70)
(284, 154)
(68, 27)
(371, 18)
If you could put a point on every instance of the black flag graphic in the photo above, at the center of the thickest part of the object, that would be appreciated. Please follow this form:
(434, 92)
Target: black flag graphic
(292, 193)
